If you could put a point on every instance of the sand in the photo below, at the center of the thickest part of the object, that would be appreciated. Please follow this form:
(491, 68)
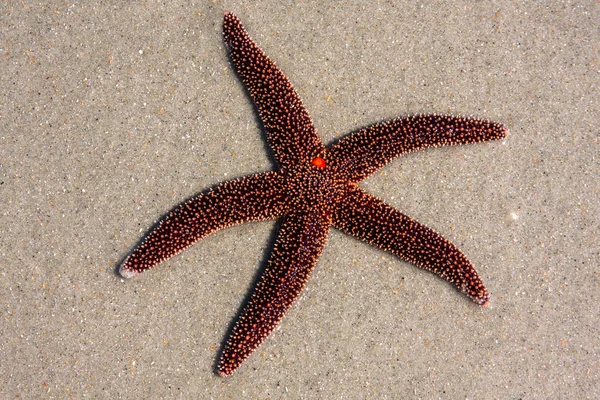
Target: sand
(112, 114)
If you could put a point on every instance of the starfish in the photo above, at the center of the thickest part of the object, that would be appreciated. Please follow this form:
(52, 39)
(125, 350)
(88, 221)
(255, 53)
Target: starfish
(313, 188)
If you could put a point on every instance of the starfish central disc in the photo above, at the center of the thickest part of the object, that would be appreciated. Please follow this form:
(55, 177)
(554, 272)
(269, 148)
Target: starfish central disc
(310, 188)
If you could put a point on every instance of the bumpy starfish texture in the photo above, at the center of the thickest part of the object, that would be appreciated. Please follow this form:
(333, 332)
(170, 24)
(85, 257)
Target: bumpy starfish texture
(315, 187)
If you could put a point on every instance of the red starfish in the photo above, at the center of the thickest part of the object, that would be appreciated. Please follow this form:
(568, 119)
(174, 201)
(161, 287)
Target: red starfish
(314, 188)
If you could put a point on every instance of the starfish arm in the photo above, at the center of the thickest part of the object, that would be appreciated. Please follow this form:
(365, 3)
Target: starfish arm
(361, 154)
(296, 252)
(290, 132)
(251, 198)
(368, 218)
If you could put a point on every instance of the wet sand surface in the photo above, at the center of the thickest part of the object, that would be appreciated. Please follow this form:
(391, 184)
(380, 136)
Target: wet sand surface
(112, 114)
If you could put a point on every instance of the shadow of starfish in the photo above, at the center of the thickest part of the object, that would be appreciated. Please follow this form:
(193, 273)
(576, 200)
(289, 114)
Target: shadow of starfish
(314, 188)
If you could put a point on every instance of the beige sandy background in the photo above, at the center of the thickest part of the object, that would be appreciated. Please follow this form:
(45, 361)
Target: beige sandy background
(112, 114)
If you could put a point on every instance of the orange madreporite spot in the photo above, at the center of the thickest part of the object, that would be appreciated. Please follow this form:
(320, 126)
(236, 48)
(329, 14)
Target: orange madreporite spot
(318, 162)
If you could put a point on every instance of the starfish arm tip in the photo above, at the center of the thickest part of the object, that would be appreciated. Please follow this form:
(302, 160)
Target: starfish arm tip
(481, 299)
(226, 368)
(503, 130)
